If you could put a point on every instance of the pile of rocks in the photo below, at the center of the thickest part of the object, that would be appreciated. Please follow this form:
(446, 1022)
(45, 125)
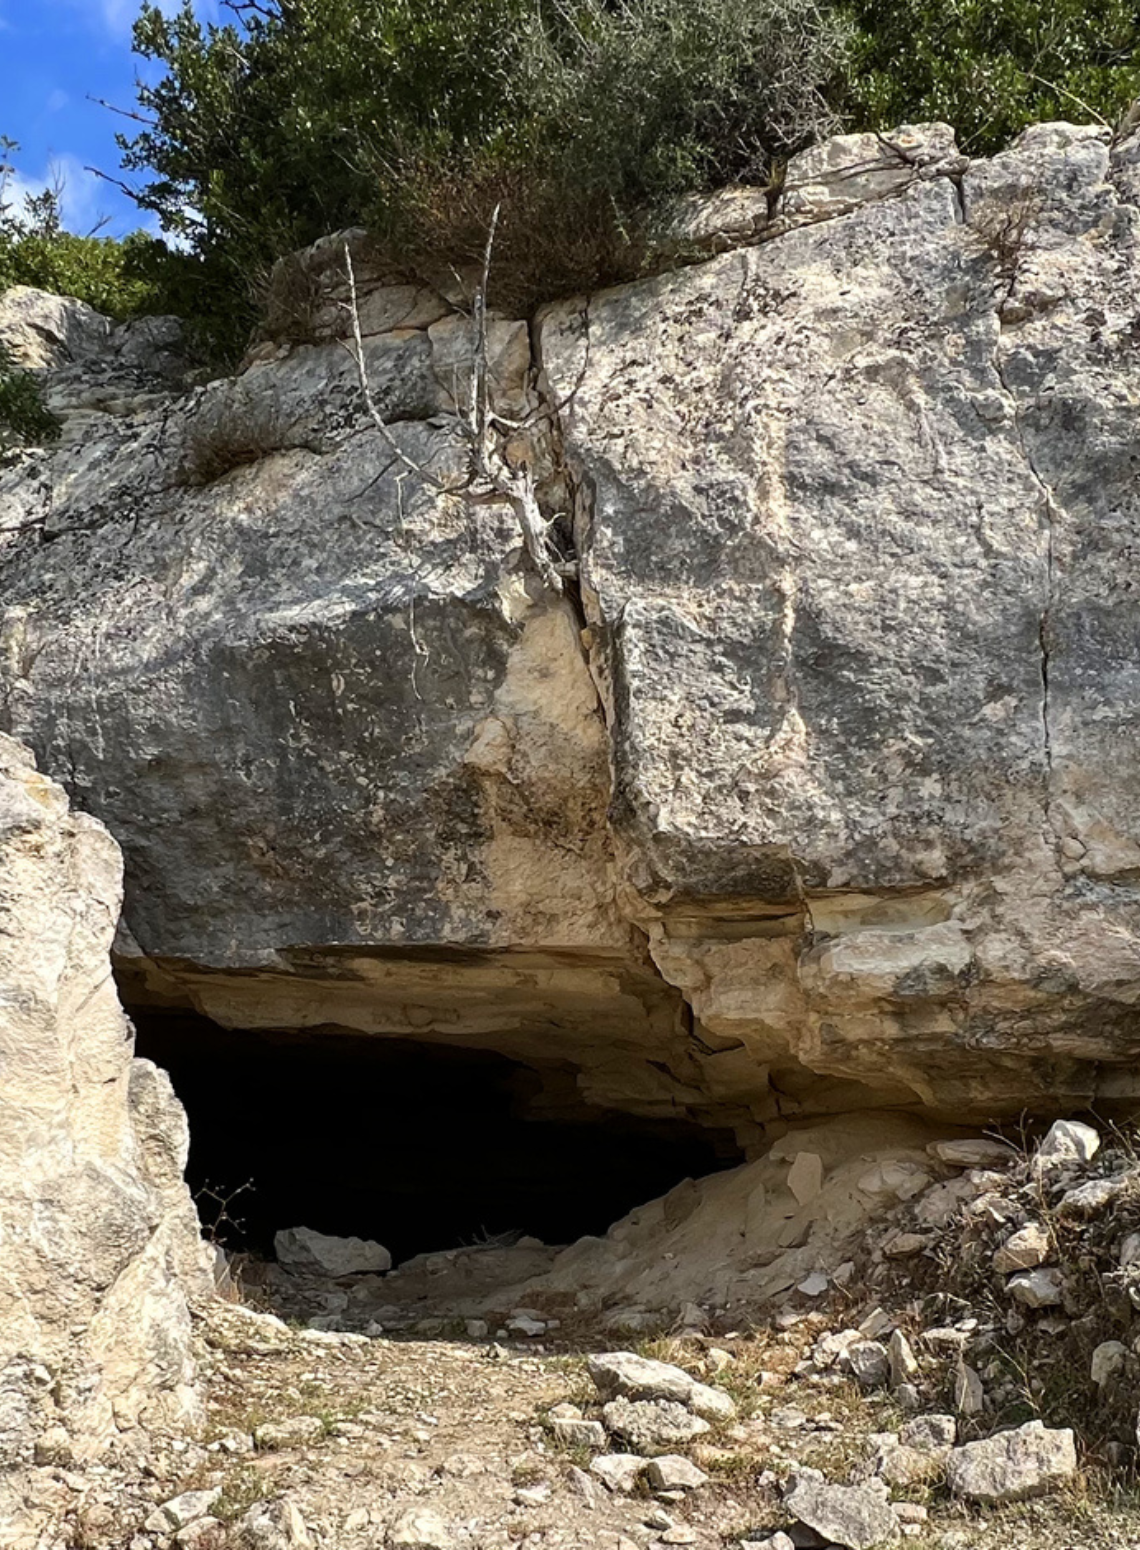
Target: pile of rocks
(1008, 1467)
(1036, 1258)
(650, 1410)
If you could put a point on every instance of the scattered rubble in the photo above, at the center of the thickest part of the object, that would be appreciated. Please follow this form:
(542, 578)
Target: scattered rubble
(855, 1414)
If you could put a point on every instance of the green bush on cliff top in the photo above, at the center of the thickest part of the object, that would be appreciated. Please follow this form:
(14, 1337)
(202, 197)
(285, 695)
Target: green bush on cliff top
(581, 117)
(990, 67)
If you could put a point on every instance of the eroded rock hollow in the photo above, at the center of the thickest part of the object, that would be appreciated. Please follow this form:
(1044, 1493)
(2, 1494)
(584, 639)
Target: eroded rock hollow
(811, 791)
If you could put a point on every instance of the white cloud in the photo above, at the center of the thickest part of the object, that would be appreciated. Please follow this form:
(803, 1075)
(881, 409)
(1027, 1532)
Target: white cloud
(118, 16)
(84, 196)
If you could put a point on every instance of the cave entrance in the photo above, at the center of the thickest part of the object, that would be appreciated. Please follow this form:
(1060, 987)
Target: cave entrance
(421, 1147)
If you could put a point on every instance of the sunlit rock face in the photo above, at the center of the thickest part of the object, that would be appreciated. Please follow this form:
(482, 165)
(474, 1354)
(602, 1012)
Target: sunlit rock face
(858, 511)
(820, 795)
(101, 1250)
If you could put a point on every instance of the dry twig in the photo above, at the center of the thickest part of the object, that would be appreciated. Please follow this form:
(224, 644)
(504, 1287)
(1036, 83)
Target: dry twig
(486, 432)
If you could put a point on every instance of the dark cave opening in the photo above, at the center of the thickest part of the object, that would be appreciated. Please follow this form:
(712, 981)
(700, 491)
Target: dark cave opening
(419, 1146)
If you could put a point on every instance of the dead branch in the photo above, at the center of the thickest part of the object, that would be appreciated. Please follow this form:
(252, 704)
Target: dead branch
(366, 387)
(485, 430)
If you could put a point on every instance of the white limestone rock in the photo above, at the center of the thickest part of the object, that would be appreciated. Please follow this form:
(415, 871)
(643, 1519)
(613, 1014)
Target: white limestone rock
(1011, 1466)
(181, 1510)
(1025, 1249)
(1041, 1288)
(578, 1433)
(969, 1392)
(856, 1517)
(673, 1472)
(419, 1528)
(619, 1472)
(868, 1363)
(805, 1177)
(625, 1374)
(652, 1426)
(930, 1432)
(903, 1362)
(1068, 1141)
(294, 1432)
(1108, 1361)
(101, 1247)
(973, 1152)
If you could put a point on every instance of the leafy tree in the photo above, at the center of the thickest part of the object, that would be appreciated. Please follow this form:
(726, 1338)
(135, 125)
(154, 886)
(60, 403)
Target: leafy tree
(577, 116)
(35, 250)
(990, 67)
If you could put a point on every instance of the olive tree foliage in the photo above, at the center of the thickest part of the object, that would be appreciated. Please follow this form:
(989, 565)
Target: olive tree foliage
(577, 117)
(990, 67)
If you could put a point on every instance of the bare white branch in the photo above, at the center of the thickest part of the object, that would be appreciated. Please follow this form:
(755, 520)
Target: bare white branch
(366, 387)
(484, 428)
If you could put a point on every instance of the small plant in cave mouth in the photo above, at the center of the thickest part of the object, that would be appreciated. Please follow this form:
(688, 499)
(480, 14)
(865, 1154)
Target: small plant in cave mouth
(213, 1204)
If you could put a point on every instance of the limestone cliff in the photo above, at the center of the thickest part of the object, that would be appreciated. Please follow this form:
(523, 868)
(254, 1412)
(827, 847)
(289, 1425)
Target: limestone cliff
(823, 799)
(100, 1239)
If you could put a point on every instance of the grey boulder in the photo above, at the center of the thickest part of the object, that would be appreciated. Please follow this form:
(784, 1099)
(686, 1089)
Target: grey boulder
(857, 1517)
(302, 1249)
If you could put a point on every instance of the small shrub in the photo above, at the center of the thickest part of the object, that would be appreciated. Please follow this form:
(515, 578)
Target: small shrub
(1003, 229)
(24, 418)
(231, 433)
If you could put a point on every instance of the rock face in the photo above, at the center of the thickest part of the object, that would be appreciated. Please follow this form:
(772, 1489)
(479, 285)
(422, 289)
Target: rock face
(100, 1236)
(856, 509)
(846, 736)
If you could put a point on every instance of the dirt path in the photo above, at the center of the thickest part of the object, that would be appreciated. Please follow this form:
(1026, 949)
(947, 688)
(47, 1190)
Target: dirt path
(447, 1442)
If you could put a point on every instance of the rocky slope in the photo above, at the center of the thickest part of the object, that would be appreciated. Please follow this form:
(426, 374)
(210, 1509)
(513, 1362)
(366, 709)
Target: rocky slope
(921, 1395)
(822, 801)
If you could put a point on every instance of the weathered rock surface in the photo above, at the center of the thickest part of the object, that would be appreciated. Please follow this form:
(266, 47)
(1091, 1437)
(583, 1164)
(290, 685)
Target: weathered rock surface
(100, 1236)
(855, 553)
(619, 1471)
(857, 1517)
(652, 1426)
(672, 1472)
(91, 367)
(1014, 1465)
(1025, 1249)
(626, 1375)
(358, 757)
(854, 511)
(302, 1249)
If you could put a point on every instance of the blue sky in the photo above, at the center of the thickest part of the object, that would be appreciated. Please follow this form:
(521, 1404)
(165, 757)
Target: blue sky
(54, 56)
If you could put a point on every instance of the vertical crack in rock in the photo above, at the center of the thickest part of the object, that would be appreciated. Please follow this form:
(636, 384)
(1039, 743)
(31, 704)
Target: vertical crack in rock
(1050, 509)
